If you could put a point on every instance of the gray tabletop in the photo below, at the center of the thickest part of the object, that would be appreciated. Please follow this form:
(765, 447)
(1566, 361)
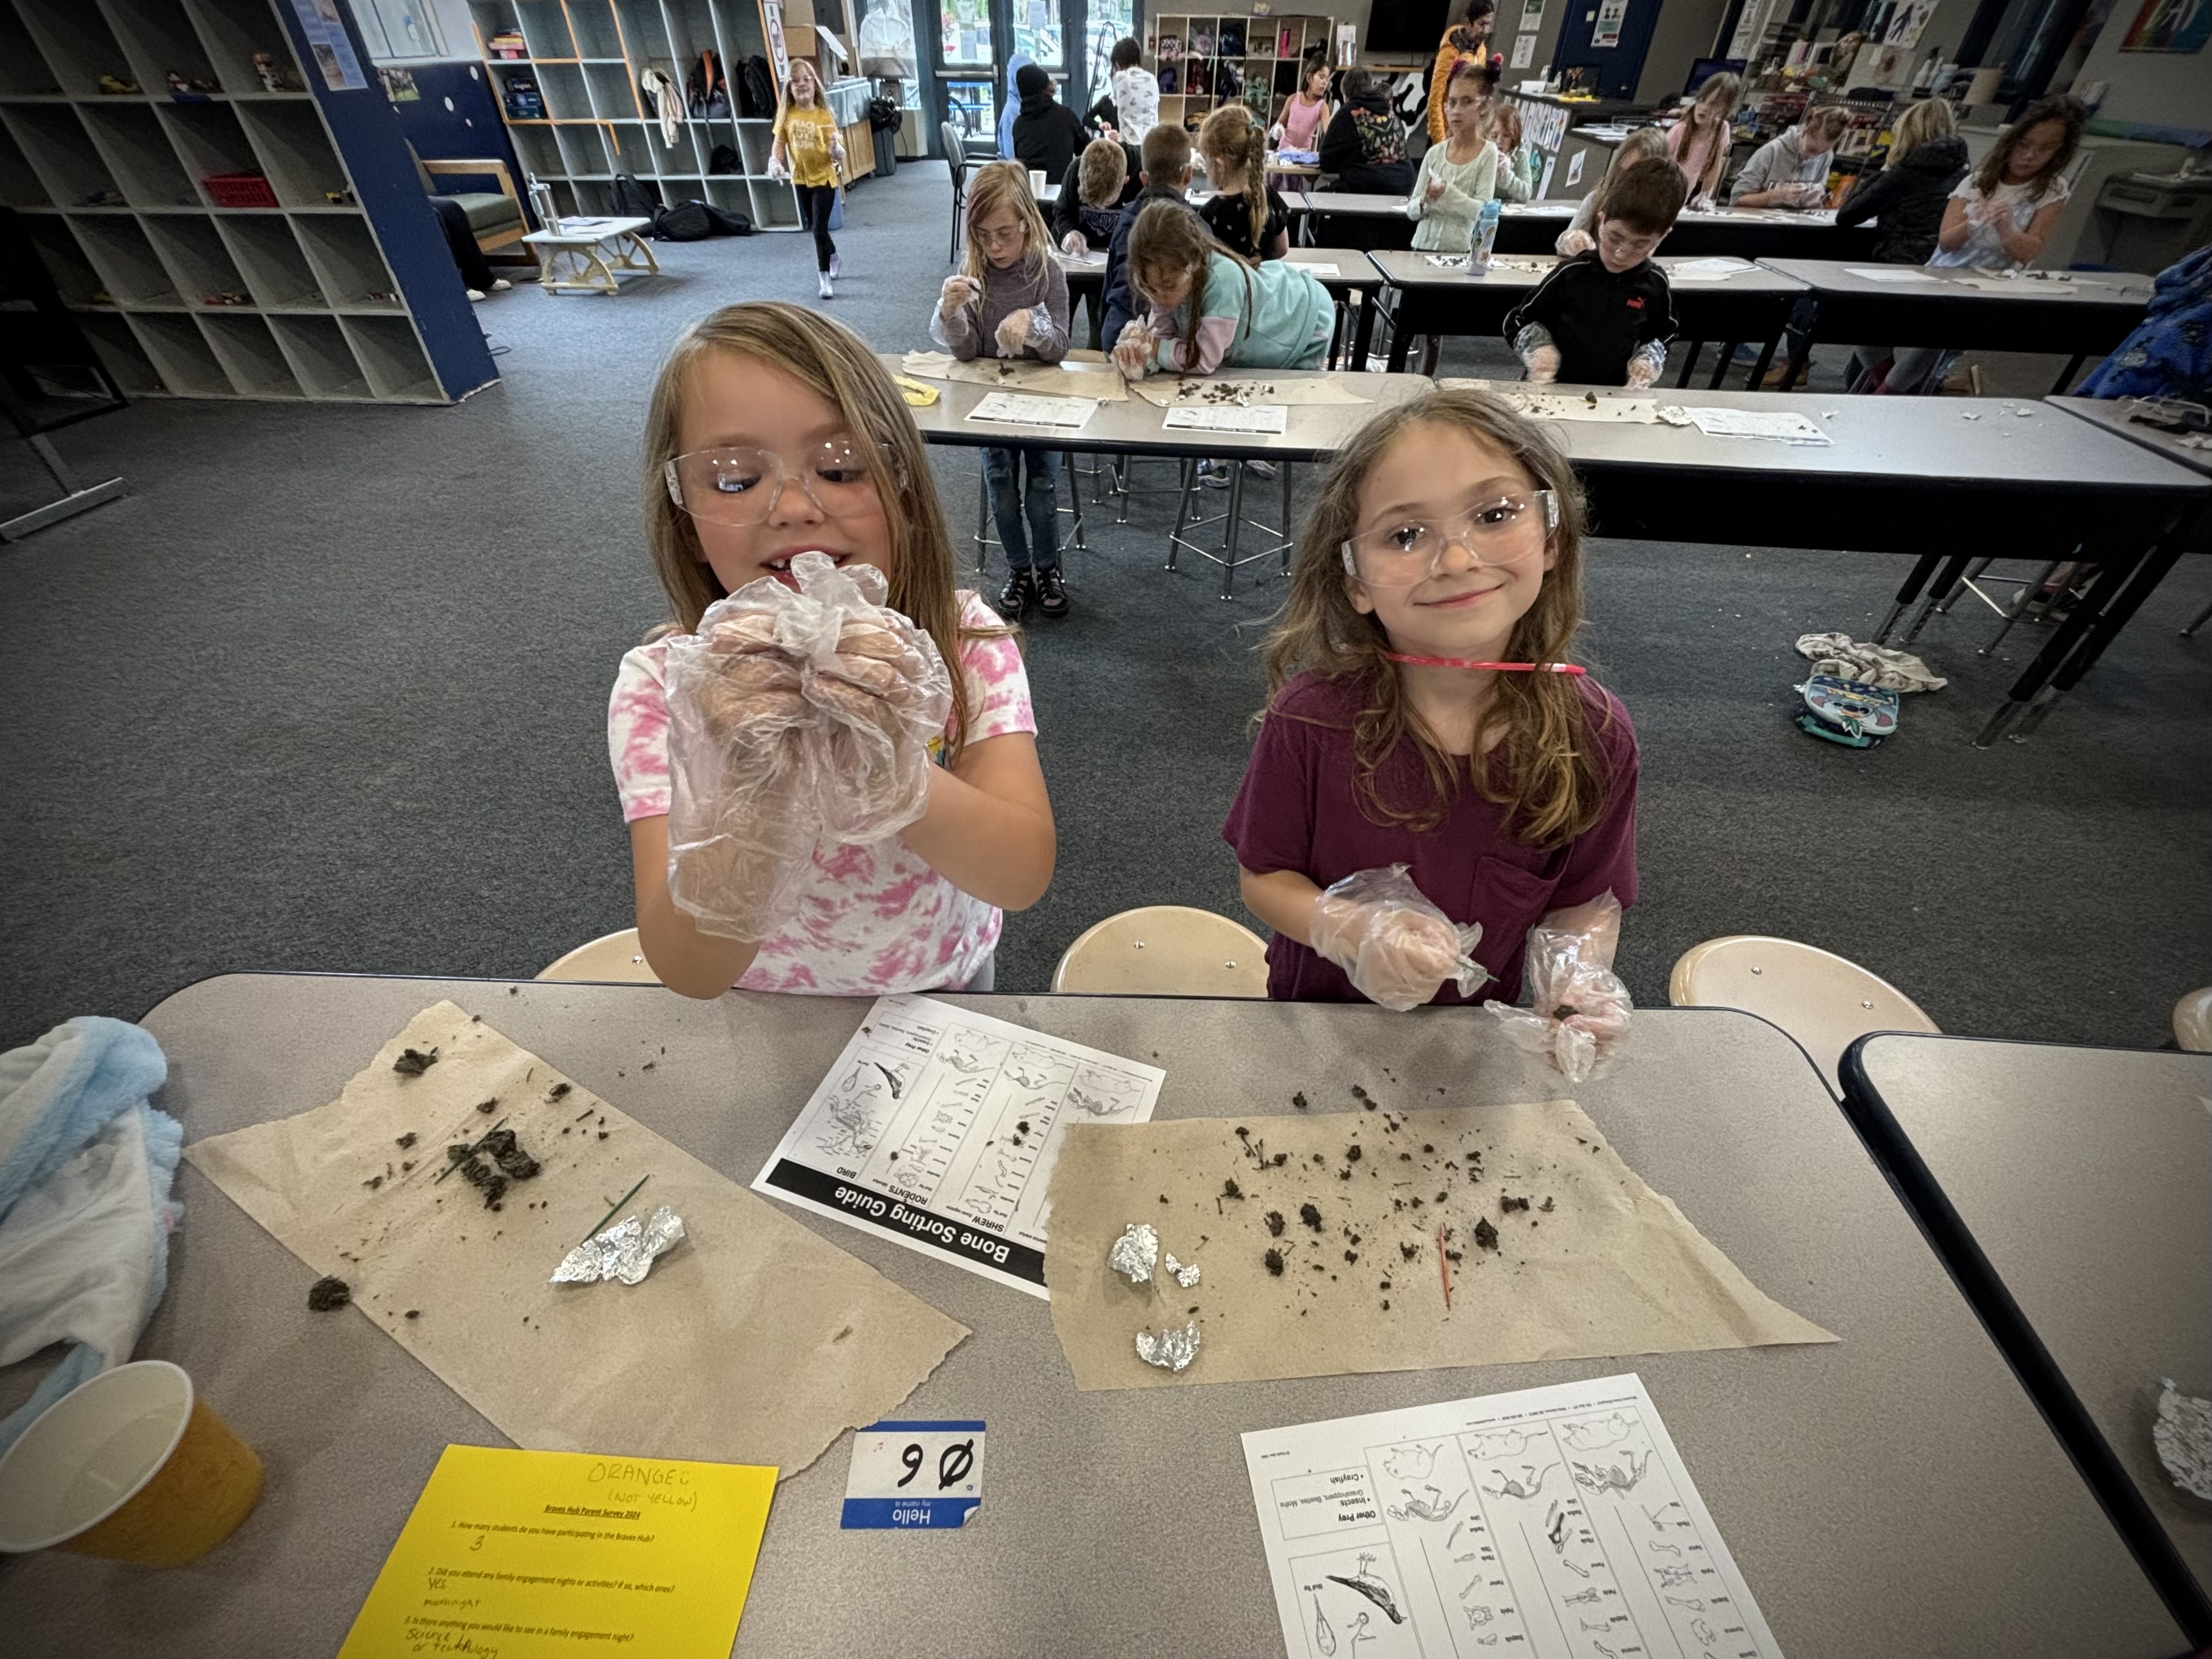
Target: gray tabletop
(1840, 277)
(1891, 1493)
(2111, 414)
(1408, 268)
(2085, 1175)
(1985, 442)
(1136, 426)
(1354, 269)
(1359, 205)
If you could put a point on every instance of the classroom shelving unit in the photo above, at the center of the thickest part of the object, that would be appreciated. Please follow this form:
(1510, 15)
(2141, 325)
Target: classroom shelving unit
(338, 285)
(1205, 60)
(586, 57)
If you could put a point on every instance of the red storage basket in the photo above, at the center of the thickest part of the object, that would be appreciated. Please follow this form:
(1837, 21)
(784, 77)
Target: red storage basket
(240, 190)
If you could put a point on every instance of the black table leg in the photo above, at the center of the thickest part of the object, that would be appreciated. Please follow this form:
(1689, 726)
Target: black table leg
(2113, 574)
(1402, 334)
(1689, 362)
(1953, 567)
(1721, 366)
(1923, 567)
(1363, 336)
(1766, 361)
(2117, 616)
(2066, 376)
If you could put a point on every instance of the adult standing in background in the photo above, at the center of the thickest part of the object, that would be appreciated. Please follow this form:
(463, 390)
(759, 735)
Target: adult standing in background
(1469, 38)
(1136, 92)
(1048, 134)
(1010, 105)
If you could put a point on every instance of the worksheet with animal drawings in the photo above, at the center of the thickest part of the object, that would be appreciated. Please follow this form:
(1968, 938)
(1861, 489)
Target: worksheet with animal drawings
(1557, 1523)
(939, 1128)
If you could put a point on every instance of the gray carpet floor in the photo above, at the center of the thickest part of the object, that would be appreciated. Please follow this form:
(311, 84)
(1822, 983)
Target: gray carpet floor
(327, 692)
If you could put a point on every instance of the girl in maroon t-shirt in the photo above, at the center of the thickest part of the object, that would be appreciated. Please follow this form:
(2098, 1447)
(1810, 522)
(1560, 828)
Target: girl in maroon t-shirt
(1448, 531)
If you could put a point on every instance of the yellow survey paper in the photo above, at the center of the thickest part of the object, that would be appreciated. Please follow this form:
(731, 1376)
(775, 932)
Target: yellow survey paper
(545, 1555)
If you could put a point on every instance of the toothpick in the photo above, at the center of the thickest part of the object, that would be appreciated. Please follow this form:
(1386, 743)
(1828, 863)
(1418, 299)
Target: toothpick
(1444, 1266)
(453, 1164)
(610, 1214)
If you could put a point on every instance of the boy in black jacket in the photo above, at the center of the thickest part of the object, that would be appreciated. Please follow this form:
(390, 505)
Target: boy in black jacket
(1604, 317)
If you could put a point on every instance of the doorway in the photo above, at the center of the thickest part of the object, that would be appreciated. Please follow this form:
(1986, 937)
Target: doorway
(975, 39)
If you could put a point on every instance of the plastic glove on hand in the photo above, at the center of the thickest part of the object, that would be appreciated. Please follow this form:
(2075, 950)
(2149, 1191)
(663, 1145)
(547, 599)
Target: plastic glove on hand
(1573, 242)
(1074, 243)
(1578, 1014)
(1642, 375)
(1397, 947)
(1132, 352)
(1544, 365)
(957, 292)
(1013, 333)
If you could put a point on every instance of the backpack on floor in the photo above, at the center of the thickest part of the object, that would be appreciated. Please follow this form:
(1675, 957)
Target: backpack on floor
(2170, 353)
(1848, 712)
(696, 220)
(756, 89)
(632, 199)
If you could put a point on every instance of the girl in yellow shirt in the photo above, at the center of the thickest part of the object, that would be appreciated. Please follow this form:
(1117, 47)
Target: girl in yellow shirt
(809, 149)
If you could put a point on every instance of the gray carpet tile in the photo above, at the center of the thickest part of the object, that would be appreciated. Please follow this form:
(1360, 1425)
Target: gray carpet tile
(327, 692)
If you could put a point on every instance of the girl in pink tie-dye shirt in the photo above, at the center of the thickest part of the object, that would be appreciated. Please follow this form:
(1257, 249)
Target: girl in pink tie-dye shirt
(771, 400)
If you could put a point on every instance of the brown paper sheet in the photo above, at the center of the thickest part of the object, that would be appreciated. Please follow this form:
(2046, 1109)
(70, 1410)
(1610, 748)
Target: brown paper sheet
(1612, 1267)
(1242, 390)
(753, 1341)
(1091, 379)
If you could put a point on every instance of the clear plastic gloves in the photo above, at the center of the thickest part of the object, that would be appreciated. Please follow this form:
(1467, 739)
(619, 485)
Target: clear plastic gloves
(1543, 363)
(957, 291)
(1074, 243)
(794, 717)
(1577, 1015)
(1020, 329)
(1135, 350)
(1396, 946)
(1572, 242)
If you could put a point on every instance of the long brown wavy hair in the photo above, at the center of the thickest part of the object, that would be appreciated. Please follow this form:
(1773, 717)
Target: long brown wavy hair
(832, 362)
(1544, 768)
(1169, 240)
(2066, 112)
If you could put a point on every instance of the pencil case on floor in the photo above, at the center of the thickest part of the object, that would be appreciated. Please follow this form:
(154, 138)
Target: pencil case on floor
(1848, 712)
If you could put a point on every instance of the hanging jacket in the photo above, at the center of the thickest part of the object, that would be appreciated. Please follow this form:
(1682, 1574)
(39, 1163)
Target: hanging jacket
(1909, 200)
(2170, 353)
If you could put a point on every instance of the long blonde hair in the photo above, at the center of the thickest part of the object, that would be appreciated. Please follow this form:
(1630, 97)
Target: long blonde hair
(1005, 184)
(1926, 122)
(1643, 145)
(1544, 766)
(784, 104)
(1232, 136)
(833, 363)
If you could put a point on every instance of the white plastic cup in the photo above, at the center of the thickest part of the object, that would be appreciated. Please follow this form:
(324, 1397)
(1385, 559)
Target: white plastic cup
(131, 1466)
(1037, 182)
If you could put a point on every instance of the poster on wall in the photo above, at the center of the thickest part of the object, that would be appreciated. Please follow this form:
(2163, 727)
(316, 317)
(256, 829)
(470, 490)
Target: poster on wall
(1532, 14)
(330, 45)
(1611, 14)
(1907, 21)
(1525, 50)
(2170, 26)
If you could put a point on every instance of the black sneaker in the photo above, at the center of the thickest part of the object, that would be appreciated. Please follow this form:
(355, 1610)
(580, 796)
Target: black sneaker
(1019, 591)
(1052, 593)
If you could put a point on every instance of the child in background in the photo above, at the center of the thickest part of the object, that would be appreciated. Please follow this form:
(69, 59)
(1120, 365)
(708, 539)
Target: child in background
(1792, 171)
(773, 431)
(1136, 93)
(1299, 121)
(1210, 309)
(1604, 318)
(1091, 198)
(1166, 176)
(1998, 218)
(1699, 144)
(807, 146)
(1460, 175)
(1644, 144)
(1449, 530)
(1245, 216)
(1010, 300)
(1516, 157)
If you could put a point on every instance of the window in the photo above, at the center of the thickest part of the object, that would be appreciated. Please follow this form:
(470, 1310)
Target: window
(1109, 21)
(398, 29)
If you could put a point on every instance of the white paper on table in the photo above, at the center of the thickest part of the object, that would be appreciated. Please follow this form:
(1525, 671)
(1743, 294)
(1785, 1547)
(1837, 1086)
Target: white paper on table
(1791, 427)
(938, 1128)
(930, 365)
(1259, 417)
(1890, 273)
(1319, 267)
(1559, 1519)
(1709, 270)
(1018, 409)
(1086, 260)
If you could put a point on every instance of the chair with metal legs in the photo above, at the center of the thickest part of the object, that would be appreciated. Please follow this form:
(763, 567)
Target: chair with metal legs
(1971, 582)
(1232, 520)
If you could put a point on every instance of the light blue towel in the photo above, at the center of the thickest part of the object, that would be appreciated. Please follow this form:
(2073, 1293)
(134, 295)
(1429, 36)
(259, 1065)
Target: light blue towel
(86, 1165)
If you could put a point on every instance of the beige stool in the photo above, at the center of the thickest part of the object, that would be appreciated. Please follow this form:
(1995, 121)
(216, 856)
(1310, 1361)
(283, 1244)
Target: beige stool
(2193, 1022)
(616, 958)
(1824, 1000)
(1166, 950)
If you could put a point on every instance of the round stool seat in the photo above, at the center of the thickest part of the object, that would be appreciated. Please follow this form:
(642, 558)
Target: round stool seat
(1166, 950)
(616, 958)
(2193, 1022)
(1824, 1000)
